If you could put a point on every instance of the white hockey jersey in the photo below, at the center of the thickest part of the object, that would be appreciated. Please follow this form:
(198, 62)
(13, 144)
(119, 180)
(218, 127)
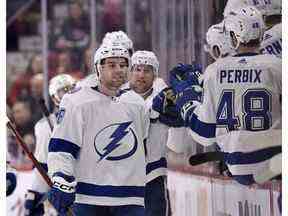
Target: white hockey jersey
(241, 93)
(42, 133)
(180, 141)
(272, 41)
(99, 140)
(91, 81)
(157, 138)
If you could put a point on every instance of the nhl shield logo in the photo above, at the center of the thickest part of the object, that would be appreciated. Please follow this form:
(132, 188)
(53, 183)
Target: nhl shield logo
(60, 115)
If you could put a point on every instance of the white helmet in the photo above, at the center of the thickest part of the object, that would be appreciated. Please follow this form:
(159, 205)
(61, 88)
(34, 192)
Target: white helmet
(216, 37)
(266, 7)
(63, 82)
(108, 51)
(233, 5)
(146, 58)
(119, 37)
(247, 24)
(273, 7)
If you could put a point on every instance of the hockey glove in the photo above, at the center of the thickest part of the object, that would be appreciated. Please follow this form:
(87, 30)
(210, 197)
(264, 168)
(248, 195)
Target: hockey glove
(11, 183)
(164, 104)
(184, 72)
(62, 193)
(186, 102)
(32, 204)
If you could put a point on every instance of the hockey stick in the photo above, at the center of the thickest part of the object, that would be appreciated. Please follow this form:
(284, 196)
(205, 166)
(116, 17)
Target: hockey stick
(37, 165)
(219, 156)
(45, 112)
(205, 157)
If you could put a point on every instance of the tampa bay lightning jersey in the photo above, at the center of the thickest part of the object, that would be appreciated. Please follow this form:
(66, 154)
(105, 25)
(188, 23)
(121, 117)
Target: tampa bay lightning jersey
(99, 140)
(90, 80)
(157, 138)
(241, 93)
(272, 41)
(42, 133)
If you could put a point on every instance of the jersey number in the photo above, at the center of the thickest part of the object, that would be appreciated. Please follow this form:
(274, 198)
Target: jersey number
(256, 107)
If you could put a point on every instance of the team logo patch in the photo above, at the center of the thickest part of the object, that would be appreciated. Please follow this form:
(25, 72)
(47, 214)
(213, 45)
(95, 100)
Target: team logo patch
(60, 115)
(116, 142)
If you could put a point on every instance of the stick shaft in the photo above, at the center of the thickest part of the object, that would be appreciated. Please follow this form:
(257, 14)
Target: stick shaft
(37, 165)
(45, 112)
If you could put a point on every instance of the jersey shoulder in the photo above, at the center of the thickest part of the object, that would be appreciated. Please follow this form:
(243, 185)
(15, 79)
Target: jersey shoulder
(158, 85)
(79, 96)
(275, 30)
(268, 59)
(131, 97)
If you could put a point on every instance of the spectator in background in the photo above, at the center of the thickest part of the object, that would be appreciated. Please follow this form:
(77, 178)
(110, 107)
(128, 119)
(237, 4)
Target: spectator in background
(22, 116)
(36, 87)
(113, 16)
(21, 86)
(65, 65)
(75, 30)
(29, 140)
(87, 65)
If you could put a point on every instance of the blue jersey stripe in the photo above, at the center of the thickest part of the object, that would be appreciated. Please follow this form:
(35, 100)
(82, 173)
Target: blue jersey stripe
(109, 190)
(162, 163)
(237, 158)
(244, 179)
(61, 145)
(207, 130)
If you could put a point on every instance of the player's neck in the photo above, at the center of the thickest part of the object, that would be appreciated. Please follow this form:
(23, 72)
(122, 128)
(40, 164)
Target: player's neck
(106, 91)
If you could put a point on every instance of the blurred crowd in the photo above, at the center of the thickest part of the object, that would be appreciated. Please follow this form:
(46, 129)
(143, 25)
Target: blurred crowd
(70, 51)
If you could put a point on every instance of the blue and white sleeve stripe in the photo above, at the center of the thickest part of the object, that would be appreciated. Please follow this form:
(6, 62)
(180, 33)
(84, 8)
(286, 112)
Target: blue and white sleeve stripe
(61, 145)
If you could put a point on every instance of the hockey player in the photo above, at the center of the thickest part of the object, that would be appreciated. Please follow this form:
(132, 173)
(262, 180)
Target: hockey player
(272, 40)
(144, 80)
(241, 93)
(58, 86)
(272, 14)
(97, 144)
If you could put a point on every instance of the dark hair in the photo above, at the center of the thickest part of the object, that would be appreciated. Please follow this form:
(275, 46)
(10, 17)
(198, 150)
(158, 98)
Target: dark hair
(252, 43)
(273, 19)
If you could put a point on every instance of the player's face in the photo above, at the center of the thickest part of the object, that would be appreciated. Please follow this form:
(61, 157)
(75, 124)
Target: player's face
(114, 72)
(141, 78)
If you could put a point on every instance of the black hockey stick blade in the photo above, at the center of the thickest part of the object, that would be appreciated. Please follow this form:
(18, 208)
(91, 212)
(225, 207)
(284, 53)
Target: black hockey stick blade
(205, 157)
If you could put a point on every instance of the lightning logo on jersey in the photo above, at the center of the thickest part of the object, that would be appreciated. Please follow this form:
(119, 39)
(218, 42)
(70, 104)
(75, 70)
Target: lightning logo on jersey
(116, 142)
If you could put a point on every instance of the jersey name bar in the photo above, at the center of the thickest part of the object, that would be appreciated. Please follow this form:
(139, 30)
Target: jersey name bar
(240, 76)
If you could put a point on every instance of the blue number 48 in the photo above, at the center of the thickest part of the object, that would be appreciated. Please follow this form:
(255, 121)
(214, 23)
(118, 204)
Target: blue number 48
(256, 108)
